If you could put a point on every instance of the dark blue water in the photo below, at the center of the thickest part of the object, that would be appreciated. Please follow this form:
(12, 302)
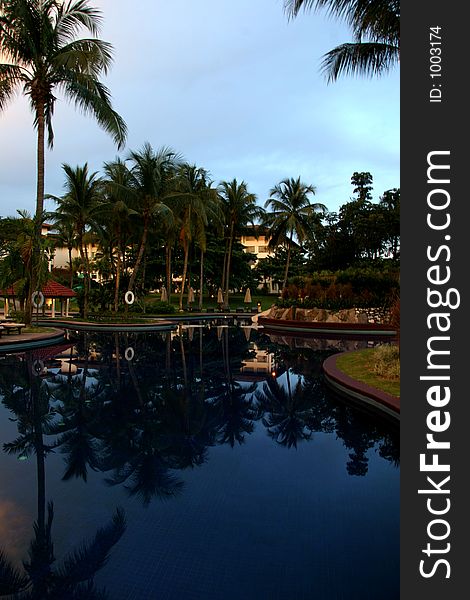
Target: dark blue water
(208, 464)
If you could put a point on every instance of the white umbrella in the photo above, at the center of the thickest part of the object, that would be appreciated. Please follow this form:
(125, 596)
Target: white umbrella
(220, 297)
(164, 296)
(247, 299)
(190, 295)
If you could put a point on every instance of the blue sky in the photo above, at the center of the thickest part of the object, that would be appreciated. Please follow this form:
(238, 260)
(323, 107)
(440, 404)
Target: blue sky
(235, 88)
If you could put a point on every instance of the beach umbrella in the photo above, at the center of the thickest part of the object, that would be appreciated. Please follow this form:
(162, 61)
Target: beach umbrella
(164, 296)
(247, 299)
(190, 295)
(220, 296)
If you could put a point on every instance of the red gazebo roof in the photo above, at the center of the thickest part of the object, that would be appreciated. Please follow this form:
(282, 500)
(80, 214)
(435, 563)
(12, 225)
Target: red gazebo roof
(51, 289)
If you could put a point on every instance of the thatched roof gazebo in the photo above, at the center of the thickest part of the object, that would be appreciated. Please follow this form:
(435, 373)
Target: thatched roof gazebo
(51, 291)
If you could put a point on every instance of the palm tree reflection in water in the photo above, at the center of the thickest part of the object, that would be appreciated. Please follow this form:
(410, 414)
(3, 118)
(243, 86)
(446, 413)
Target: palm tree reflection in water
(41, 579)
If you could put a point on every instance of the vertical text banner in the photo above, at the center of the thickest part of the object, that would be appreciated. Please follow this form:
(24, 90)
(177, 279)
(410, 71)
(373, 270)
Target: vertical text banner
(435, 312)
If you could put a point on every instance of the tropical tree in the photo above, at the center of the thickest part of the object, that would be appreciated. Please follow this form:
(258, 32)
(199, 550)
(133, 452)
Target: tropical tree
(79, 205)
(16, 256)
(375, 25)
(66, 237)
(240, 209)
(150, 175)
(362, 183)
(194, 202)
(115, 215)
(41, 54)
(291, 215)
(38, 43)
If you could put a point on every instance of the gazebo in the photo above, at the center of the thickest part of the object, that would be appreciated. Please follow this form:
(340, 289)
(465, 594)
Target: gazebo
(52, 291)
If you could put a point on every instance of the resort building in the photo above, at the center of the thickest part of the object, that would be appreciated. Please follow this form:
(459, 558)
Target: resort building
(256, 242)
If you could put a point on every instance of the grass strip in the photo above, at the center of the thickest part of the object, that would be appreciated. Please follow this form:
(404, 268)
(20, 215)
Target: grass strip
(359, 366)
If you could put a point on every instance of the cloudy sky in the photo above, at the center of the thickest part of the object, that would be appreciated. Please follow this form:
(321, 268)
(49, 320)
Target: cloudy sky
(235, 88)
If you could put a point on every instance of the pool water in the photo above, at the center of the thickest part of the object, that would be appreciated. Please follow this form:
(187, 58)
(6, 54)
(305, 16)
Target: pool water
(210, 463)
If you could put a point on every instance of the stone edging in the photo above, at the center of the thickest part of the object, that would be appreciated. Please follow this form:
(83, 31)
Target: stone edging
(346, 385)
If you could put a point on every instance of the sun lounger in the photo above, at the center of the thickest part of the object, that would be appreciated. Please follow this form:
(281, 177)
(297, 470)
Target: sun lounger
(8, 327)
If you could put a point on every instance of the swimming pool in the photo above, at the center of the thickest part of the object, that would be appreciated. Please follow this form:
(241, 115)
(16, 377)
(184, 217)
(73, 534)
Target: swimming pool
(206, 463)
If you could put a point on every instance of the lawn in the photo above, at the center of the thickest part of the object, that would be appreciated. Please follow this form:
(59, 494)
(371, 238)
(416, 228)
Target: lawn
(360, 366)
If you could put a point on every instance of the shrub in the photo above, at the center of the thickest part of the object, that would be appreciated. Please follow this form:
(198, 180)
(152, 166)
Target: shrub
(18, 315)
(161, 308)
(386, 361)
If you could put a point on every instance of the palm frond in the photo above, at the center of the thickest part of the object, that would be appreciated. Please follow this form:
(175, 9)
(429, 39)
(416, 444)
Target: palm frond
(366, 58)
(12, 581)
(82, 564)
(92, 97)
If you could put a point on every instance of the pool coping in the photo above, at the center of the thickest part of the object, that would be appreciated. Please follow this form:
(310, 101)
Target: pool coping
(323, 328)
(27, 341)
(357, 390)
(160, 325)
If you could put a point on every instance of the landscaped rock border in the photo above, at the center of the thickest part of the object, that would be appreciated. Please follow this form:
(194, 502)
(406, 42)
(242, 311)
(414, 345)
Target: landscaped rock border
(378, 316)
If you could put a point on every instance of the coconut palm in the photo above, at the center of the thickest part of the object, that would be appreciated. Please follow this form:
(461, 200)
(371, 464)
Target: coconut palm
(79, 205)
(150, 175)
(240, 208)
(375, 26)
(16, 258)
(41, 53)
(66, 237)
(193, 202)
(290, 215)
(116, 214)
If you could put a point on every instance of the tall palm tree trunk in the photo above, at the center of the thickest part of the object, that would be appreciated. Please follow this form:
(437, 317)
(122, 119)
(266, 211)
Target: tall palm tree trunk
(168, 271)
(224, 267)
(185, 271)
(140, 255)
(40, 158)
(229, 260)
(286, 273)
(85, 282)
(201, 279)
(117, 282)
(69, 248)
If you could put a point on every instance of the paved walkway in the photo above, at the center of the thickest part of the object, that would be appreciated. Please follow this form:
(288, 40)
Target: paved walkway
(346, 385)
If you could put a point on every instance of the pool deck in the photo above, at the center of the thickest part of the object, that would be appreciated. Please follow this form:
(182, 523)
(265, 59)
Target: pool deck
(362, 393)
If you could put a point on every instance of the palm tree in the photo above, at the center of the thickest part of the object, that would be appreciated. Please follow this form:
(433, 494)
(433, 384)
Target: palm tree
(115, 214)
(192, 201)
(79, 204)
(240, 209)
(66, 236)
(291, 213)
(375, 26)
(16, 260)
(41, 55)
(38, 42)
(150, 174)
